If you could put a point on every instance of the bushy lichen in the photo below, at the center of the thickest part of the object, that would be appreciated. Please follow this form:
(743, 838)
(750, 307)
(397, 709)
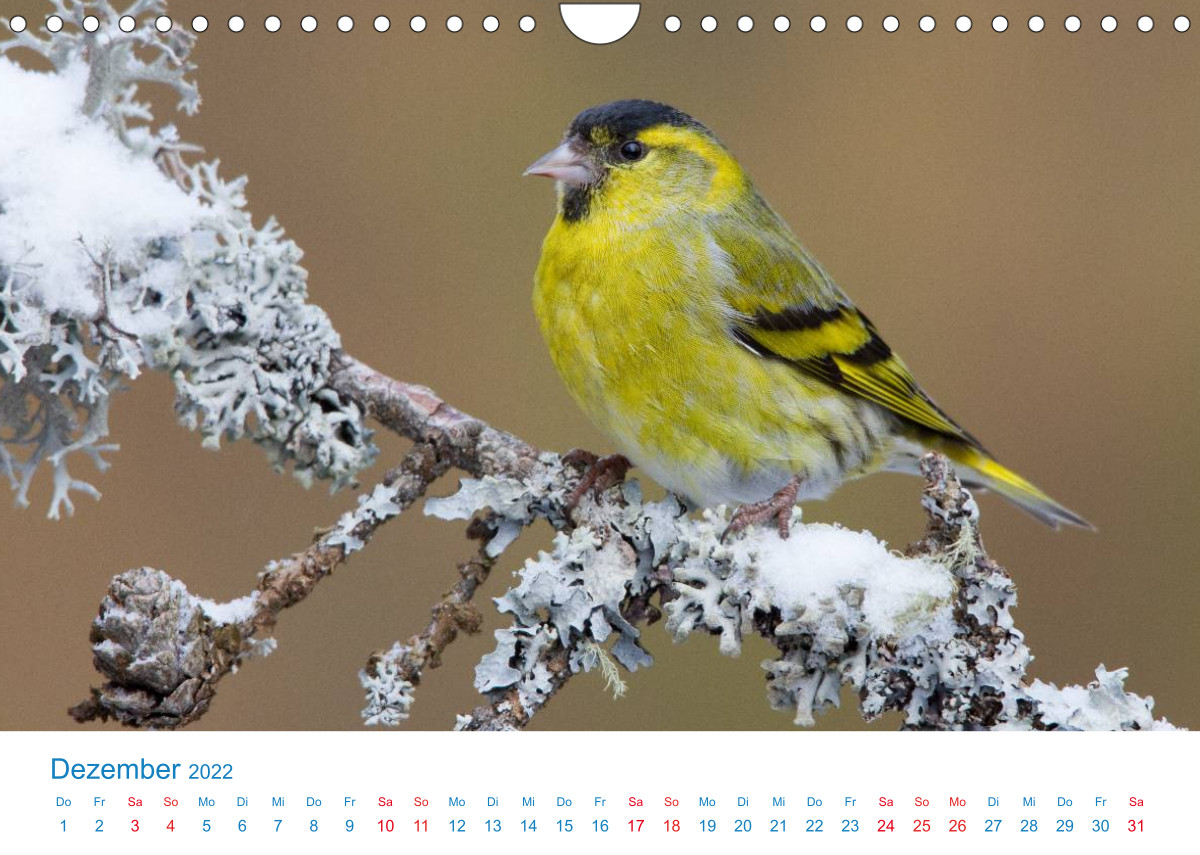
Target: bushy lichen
(389, 695)
(1101, 705)
(826, 597)
(196, 290)
(929, 634)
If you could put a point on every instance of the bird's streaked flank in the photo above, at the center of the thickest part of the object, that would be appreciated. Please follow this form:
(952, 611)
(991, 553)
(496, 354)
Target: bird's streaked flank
(692, 327)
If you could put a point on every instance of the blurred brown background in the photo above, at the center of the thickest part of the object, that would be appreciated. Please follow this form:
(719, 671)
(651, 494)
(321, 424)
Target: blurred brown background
(1033, 197)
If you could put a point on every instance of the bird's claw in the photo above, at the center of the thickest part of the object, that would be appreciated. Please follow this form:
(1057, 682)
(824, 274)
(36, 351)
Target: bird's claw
(778, 507)
(601, 473)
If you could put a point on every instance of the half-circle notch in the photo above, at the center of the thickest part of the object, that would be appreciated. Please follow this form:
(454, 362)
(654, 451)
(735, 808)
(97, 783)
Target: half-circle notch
(599, 23)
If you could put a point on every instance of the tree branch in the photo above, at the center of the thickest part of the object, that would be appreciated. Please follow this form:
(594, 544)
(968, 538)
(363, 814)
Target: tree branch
(416, 412)
(164, 651)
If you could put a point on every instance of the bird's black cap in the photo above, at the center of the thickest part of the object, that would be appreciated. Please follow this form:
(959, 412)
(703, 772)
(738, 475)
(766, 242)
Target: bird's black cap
(623, 119)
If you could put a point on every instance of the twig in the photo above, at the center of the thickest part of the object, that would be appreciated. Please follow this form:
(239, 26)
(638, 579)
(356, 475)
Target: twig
(453, 613)
(190, 644)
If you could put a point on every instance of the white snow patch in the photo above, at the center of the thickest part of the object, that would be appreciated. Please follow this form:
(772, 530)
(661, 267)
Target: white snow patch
(234, 611)
(68, 186)
(818, 561)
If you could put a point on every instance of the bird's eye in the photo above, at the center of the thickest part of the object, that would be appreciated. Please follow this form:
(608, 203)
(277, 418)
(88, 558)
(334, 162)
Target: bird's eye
(633, 150)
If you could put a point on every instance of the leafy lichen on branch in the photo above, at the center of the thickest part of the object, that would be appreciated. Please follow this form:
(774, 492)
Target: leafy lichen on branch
(136, 260)
(928, 634)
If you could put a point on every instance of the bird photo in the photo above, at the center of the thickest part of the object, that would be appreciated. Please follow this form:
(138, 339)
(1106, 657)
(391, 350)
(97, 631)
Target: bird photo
(691, 325)
(317, 414)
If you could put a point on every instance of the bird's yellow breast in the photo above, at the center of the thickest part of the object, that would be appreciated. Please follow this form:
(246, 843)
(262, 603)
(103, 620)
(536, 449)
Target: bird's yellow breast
(636, 327)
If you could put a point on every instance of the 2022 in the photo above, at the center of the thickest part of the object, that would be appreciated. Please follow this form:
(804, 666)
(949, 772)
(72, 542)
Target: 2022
(215, 772)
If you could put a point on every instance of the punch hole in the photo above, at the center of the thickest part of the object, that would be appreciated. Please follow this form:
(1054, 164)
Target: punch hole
(1145, 23)
(1108, 23)
(1182, 24)
(927, 23)
(891, 23)
(491, 23)
(199, 24)
(782, 24)
(527, 24)
(17, 24)
(817, 24)
(745, 23)
(999, 23)
(1072, 24)
(708, 23)
(454, 23)
(345, 23)
(308, 23)
(854, 23)
(382, 23)
(672, 24)
(272, 24)
(962, 23)
(417, 24)
(126, 23)
(1037, 23)
(237, 23)
(54, 23)
(162, 23)
(91, 23)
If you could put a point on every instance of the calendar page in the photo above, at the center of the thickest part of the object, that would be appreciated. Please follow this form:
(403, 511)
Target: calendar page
(437, 426)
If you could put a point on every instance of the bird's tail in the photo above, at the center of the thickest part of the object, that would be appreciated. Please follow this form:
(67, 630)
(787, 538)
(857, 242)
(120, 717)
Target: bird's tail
(986, 472)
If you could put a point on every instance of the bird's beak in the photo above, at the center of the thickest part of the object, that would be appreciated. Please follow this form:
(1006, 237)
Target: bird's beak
(568, 163)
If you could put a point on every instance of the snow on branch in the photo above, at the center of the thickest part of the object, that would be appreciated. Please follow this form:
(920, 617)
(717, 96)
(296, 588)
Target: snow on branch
(928, 633)
(118, 255)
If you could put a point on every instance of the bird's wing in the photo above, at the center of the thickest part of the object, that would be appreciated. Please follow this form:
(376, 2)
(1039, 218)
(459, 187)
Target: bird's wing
(785, 307)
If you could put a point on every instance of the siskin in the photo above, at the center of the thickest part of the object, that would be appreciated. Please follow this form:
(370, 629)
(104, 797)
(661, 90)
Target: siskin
(692, 327)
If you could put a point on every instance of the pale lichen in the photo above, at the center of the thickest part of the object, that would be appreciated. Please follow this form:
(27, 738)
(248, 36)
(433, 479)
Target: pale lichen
(928, 634)
(389, 695)
(194, 290)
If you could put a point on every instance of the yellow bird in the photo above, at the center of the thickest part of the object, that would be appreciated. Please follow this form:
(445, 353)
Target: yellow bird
(692, 327)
